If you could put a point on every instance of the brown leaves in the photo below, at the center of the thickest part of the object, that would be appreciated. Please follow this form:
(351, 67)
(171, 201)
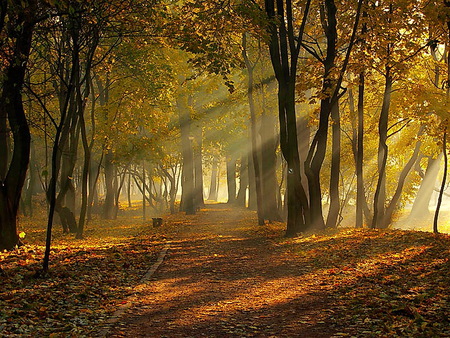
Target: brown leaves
(87, 279)
(387, 283)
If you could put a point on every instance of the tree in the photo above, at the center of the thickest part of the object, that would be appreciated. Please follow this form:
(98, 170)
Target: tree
(284, 46)
(396, 52)
(17, 25)
(256, 161)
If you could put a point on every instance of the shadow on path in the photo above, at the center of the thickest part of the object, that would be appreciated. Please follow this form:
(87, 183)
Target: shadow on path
(221, 279)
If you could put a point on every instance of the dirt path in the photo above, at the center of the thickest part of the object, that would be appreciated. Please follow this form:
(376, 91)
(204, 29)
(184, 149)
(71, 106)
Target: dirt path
(221, 279)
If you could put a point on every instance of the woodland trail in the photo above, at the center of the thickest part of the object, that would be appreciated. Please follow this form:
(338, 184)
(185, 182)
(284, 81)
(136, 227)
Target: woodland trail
(222, 278)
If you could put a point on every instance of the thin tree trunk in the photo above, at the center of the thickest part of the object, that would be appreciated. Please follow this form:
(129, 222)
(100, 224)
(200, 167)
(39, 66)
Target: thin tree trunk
(333, 211)
(401, 182)
(241, 199)
(213, 184)
(198, 168)
(84, 180)
(110, 192)
(144, 214)
(251, 182)
(444, 179)
(129, 190)
(380, 192)
(360, 193)
(231, 179)
(94, 174)
(358, 149)
(251, 102)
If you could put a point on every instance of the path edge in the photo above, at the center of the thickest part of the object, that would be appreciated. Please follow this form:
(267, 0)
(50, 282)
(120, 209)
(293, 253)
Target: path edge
(115, 317)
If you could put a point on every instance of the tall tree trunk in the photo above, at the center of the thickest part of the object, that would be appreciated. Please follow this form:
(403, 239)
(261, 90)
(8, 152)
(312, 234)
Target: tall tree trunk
(65, 202)
(335, 204)
(187, 180)
(81, 99)
(12, 105)
(380, 192)
(360, 193)
(268, 165)
(444, 178)
(66, 103)
(84, 181)
(318, 147)
(358, 150)
(329, 104)
(444, 141)
(284, 48)
(253, 133)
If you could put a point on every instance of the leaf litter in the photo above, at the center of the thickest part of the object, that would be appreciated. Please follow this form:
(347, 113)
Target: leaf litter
(373, 283)
(87, 281)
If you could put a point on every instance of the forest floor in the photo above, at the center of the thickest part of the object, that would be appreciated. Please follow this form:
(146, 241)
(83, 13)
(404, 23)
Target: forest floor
(224, 276)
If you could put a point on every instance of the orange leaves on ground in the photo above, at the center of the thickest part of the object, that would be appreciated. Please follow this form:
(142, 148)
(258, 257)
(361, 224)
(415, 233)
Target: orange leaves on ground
(388, 283)
(87, 279)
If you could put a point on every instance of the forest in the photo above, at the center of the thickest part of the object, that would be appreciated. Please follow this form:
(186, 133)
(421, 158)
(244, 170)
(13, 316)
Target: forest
(122, 121)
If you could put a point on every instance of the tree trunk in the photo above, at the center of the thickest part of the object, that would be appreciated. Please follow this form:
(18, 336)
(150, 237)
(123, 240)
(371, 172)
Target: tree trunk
(401, 182)
(11, 105)
(304, 135)
(172, 188)
(213, 187)
(118, 187)
(94, 174)
(241, 199)
(187, 180)
(253, 133)
(144, 211)
(335, 204)
(198, 168)
(129, 190)
(419, 208)
(444, 178)
(231, 179)
(4, 143)
(380, 192)
(110, 192)
(318, 147)
(251, 182)
(268, 166)
(84, 180)
(359, 156)
(284, 49)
